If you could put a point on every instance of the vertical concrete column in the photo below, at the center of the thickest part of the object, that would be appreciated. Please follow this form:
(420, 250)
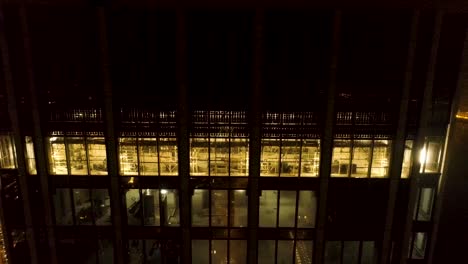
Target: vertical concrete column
(111, 136)
(462, 83)
(183, 117)
(14, 119)
(421, 134)
(399, 142)
(255, 123)
(327, 143)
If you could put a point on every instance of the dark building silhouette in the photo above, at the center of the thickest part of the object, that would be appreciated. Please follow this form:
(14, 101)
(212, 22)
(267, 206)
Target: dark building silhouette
(235, 132)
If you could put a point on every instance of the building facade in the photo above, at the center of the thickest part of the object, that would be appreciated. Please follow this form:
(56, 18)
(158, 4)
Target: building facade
(156, 134)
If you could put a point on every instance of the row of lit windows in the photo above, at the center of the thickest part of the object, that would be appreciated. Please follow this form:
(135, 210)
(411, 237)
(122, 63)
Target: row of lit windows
(223, 157)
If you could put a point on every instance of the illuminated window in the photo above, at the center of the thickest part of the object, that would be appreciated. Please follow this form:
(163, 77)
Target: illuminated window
(30, 157)
(430, 156)
(381, 153)
(168, 156)
(418, 249)
(362, 152)
(199, 156)
(77, 155)
(148, 156)
(239, 157)
(7, 152)
(270, 157)
(219, 156)
(57, 156)
(407, 160)
(217, 251)
(341, 158)
(97, 156)
(285, 251)
(128, 156)
(423, 208)
(310, 158)
(290, 158)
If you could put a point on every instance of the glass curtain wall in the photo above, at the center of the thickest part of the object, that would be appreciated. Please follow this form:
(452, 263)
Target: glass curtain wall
(219, 251)
(285, 251)
(350, 252)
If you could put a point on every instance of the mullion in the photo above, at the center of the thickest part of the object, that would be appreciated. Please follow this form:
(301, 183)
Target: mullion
(369, 170)
(351, 156)
(360, 251)
(142, 219)
(418, 202)
(276, 251)
(138, 155)
(425, 146)
(67, 158)
(72, 199)
(280, 154)
(87, 154)
(342, 252)
(295, 225)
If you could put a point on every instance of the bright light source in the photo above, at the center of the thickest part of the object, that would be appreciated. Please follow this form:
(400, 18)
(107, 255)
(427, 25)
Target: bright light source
(148, 193)
(423, 156)
(131, 180)
(163, 191)
(53, 138)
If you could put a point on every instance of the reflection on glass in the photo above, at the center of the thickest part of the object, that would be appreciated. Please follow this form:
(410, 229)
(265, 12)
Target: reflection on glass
(200, 208)
(287, 208)
(200, 251)
(170, 207)
(168, 156)
(239, 157)
(150, 206)
(406, 166)
(101, 206)
(77, 156)
(303, 253)
(238, 251)
(199, 157)
(135, 252)
(431, 156)
(148, 154)
(97, 156)
(426, 199)
(62, 207)
(333, 252)
(270, 157)
(239, 208)
(132, 201)
(266, 251)
(7, 152)
(285, 251)
(30, 158)
(419, 246)
(310, 158)
(128, 156)
(219, 251)
(290, 156)
(105, 252)
(341, 158)
(307, 209)
(219, 156)
(268, 209)
(219, 208)
(57, 156)
(368, 254)
(351, 252)
(83, 207)
(380, 158)
(361, 158)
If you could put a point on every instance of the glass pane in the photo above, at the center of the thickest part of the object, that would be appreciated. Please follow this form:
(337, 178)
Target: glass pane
(168, 156)
(369, 253)
(406, 167)
(7, 152)
(238, 251)
(433, 157)
(105, 252)
(153, 251)
(57, 156)
(30, 158)
(307, 209)
(239, 157)
(266, 251)
(310, 158)
(219, 156)
(239, 208)
(361, 158)
(290, 155)
(170, 207)
(219, 208)
(340, 158)
(333, 252)
(287, 208)
(97, 156)
(200, 251)
(83, 210)
(303, 254)
(351, 252)
(134, 213)
(62, 207)
(77, 156)
(135, 252)
(285, 251)
(150, 206)
(101, 206)
(270, 158)
(268, 208)
(425, 204)
(128, 156)
(219, 251)
(419, 246)
(381, 158)
(199, 156)
(148, 151)
(200, 208)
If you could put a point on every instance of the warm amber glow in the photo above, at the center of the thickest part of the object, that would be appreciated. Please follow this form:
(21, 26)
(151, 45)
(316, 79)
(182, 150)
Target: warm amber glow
(462, 115)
